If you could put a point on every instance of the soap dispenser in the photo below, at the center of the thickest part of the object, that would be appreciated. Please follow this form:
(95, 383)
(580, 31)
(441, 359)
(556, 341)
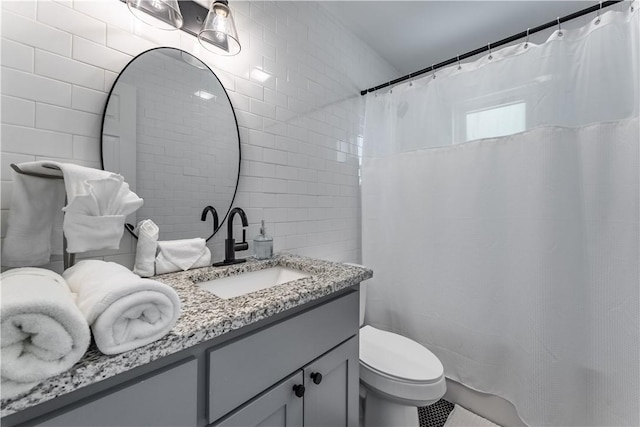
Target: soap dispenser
(263, 244)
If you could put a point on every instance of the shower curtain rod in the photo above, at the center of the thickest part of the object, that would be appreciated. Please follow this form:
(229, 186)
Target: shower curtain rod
(513, 38)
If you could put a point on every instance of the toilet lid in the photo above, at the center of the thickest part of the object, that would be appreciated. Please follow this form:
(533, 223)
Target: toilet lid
(398, 356)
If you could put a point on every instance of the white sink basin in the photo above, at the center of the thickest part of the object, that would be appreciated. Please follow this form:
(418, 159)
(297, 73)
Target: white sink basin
(245, 283)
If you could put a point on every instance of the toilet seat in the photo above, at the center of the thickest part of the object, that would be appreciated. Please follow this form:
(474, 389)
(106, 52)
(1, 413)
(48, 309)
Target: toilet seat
(399, 367)
(398, 357)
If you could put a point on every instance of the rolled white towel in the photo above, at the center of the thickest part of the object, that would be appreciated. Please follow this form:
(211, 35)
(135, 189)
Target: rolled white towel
(146, 248)
(182, 255)
(43, 331)
(123, 310)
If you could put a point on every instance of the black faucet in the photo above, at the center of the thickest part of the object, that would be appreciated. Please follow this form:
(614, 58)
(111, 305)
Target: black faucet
(230, 245)
(203, 217)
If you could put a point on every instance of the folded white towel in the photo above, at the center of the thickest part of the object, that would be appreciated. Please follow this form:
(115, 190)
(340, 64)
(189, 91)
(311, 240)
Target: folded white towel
(98, 202)
(177, 255)
(43, 331)
(31, 225)
(146, 248)
(124, 310)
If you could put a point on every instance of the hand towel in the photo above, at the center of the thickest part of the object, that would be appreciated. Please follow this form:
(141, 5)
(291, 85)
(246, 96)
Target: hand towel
(43, 331)
(123, 310)
(98, 202)
(31, 225)
(177, 255)
(146, 248)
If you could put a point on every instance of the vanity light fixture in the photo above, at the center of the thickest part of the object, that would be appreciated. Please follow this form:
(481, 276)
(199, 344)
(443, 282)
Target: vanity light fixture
(162, 14)
(214, 27)
(218, 33)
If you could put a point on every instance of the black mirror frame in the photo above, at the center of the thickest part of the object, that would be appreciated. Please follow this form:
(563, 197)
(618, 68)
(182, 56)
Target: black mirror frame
(130, 227)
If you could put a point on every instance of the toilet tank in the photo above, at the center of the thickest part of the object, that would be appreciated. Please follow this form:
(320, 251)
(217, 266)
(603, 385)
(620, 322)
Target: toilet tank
(363, 294)
(363, 301)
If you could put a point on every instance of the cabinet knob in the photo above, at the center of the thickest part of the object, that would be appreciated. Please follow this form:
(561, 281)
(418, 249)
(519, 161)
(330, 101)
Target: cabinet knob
(298, 389)
(316, 377)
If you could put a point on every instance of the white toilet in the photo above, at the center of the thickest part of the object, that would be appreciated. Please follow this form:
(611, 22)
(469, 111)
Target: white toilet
(396, 376)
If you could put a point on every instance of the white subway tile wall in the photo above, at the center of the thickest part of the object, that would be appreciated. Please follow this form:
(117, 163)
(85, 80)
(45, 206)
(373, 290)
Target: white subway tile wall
(295, 88)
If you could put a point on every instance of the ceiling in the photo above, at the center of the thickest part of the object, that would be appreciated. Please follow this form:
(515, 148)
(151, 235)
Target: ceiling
(412, 35)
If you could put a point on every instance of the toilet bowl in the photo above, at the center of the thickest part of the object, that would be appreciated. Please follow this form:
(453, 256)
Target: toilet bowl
(397, 375)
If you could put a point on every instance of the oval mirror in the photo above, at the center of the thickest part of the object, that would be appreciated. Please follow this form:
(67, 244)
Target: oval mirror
(170, 130)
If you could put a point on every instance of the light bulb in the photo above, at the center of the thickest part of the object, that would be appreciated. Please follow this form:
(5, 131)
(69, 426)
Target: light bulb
(220, 9)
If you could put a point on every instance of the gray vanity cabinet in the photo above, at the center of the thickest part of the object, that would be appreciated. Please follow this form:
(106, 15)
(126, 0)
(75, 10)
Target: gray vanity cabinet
(278, 407)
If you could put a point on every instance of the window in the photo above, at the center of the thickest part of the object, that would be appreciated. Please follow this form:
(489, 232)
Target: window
(495, 121)
(495, 114)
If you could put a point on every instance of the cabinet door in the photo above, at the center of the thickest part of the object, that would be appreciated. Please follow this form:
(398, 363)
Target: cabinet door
(168, 398)
(332, 382)
(279, 406)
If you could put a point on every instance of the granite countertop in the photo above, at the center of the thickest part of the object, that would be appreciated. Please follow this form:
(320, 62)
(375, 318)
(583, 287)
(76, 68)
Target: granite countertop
(204, 316)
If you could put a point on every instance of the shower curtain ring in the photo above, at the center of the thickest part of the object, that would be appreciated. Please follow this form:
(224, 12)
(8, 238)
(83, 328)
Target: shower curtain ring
(559, 27)
(490, 55)
(433, 70)
(459, 66)
(526, 42)
(598, 14)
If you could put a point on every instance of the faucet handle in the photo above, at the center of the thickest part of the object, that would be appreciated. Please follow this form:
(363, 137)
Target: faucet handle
(244, 245)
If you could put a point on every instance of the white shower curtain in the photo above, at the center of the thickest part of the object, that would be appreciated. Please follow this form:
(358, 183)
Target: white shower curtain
(515, 258)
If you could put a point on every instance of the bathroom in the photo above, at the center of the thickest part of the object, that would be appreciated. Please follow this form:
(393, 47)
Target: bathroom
(295, 88)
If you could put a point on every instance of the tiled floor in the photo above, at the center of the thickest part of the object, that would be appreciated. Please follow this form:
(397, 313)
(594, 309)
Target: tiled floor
(435, 415)
(430, 416)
